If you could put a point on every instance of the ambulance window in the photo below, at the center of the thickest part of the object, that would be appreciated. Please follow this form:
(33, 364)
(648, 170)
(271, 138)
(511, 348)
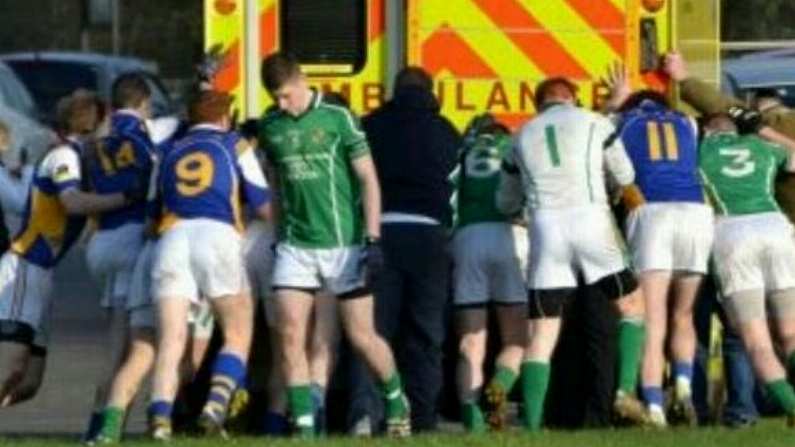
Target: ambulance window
(329, 37)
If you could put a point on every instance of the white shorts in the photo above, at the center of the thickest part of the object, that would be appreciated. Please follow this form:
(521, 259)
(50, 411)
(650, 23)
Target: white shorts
(337, 269)
(490, 262)
(141, 308)
(755, 251)
(258, 255)
(565, 241)
(26, 295)
(111, 257)
(199, 258)
(673, 236)
(201, 320)
(139, 304)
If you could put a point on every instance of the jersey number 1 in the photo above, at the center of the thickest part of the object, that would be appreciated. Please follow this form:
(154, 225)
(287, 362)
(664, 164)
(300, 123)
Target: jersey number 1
(552, 145)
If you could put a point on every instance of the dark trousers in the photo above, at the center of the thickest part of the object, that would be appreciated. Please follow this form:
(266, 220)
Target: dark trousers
(583, 366)
(411, 296)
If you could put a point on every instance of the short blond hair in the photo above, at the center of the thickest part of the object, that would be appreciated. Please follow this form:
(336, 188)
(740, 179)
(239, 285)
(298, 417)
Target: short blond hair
(5, 135)
(80, 113)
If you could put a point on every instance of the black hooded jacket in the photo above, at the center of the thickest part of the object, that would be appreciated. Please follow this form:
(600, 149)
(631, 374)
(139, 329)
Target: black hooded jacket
(415, 149)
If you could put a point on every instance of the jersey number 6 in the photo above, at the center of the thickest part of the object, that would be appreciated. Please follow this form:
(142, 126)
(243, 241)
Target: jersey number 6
(194, 174)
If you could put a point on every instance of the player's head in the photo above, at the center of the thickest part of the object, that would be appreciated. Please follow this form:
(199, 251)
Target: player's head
(413, 77)
(5, 137)
(79, 114)
(557, 90)
(210, 107)
(639, 97)
(282, 77)
(765, 98)
(718, 123)
(130, 91)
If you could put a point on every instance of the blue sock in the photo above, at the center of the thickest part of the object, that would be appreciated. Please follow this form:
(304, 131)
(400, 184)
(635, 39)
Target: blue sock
(231, 366)
(683, 369)
(228, 372)
(275, 424)
(160, 408)
(653, 395)
(319, 406)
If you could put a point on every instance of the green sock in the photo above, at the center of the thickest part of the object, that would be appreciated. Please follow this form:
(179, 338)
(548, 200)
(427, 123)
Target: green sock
(112, 423)
(472, 418)
(535, 380)
(630, 347)
(393, 394)
(299, 397)
(782, 394)
(504, 377)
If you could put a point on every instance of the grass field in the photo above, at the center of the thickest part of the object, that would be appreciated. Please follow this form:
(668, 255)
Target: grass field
(769, 433)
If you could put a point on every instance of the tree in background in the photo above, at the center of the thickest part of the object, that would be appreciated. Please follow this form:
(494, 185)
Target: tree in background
(758, 20)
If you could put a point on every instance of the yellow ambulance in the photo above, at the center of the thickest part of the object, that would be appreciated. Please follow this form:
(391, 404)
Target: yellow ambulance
(485, 55)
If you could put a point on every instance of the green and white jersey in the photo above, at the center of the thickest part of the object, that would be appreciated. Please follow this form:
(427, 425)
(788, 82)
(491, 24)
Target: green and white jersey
(565, 155)
(739, 172)
(478, 178)
(318, 190)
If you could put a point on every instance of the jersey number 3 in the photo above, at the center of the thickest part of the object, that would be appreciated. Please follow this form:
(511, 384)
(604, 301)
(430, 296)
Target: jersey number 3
(740, 165)
(194, 174)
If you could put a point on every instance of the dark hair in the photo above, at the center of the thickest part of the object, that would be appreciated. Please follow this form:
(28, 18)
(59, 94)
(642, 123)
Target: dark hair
(279, 68)
(485, 123)
(638, 97)
(552, 85)
(413, 77)
(129, 90)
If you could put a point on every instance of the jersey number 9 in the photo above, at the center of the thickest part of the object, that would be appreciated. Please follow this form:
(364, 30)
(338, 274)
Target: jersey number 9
(194, 174)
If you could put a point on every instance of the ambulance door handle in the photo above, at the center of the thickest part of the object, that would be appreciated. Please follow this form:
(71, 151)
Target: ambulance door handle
(649, 57)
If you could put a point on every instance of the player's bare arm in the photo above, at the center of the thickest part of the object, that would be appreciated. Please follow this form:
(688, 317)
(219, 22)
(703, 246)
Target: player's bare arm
(769, 134)
(275, 204)
(78, 202)
(371, 194)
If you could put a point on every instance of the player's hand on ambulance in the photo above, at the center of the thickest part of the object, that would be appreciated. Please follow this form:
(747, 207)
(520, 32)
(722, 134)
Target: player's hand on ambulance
(674, 65)
(373, 256)
(618, 83)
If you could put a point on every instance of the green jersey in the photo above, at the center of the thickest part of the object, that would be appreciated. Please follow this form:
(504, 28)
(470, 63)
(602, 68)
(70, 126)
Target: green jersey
(319, 193)
(479, 176)
(739, 172)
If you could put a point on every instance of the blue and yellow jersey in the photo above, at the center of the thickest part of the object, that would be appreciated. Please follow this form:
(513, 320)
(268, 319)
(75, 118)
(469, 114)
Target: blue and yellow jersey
(209, 174)
(663, 147)
(47, 231)
(118, 163)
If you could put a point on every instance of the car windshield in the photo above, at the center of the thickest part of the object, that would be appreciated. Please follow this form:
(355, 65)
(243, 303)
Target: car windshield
(49, 81)
(14, 94)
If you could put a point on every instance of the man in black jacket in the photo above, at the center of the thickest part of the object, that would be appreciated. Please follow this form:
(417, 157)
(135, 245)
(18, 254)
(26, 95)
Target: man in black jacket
(415, 150)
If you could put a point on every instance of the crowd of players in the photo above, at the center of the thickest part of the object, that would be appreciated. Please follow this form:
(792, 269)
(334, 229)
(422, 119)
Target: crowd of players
(186, 234)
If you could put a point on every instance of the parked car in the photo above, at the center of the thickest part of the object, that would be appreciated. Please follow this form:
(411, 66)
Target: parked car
(767, 69)
(52, 75)
(18, 111)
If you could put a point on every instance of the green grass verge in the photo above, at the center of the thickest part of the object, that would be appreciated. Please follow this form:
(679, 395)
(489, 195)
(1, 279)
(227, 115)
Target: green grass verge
(768, 433)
